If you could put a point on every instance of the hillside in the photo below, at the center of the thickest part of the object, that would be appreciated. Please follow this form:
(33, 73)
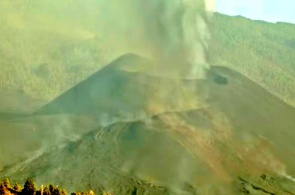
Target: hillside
(80, 107)
(45, 60)
(260, 50)
(241, 133)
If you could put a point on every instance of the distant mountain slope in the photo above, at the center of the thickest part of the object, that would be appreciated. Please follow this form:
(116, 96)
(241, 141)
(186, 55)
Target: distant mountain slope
(240, 132)
(260, 50)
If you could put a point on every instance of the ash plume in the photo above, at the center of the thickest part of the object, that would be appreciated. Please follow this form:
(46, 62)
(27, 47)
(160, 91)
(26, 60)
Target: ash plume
(174, 33)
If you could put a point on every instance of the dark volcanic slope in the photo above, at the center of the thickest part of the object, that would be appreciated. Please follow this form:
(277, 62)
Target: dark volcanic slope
(106, 91)
(124, 87)
(141, 156)
(250, 108)
(116, 158)
(238, 129)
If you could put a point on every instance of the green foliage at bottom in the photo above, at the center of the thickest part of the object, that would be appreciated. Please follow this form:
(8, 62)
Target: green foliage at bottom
(30, 188)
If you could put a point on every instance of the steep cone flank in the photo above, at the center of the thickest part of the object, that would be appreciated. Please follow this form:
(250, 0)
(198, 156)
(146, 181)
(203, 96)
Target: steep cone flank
(97, 92)
(126, 87)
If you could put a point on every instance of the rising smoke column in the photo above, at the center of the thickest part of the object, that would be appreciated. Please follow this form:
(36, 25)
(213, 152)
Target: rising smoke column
(174, 33)
(178, 33)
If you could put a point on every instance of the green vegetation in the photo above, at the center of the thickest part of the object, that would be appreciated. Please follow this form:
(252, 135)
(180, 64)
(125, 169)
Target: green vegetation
(265, 52)
(31, 189)
(46, 48)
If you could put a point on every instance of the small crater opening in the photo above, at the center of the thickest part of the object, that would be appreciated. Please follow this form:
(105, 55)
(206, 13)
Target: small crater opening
(221, 80)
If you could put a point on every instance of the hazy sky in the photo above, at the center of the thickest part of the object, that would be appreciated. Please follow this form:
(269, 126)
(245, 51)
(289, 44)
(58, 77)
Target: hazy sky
(268, 10)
